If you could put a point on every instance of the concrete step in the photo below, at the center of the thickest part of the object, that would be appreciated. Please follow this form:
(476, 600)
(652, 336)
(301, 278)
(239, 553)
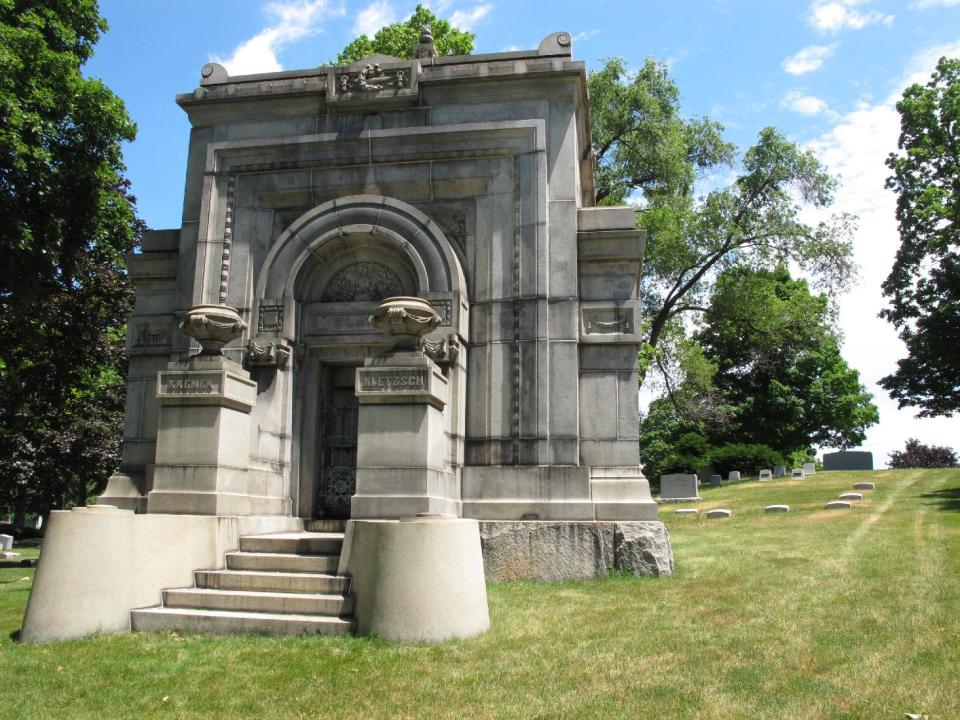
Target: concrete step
(317, 543)
(262, 602)
(326, 525)
(284, 582)
(282, 562)
(226, 622)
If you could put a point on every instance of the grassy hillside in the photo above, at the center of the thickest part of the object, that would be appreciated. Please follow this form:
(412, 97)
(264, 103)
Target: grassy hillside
(810, 614)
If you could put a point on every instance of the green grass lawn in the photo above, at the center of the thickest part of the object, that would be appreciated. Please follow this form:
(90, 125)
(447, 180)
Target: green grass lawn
(810, 614)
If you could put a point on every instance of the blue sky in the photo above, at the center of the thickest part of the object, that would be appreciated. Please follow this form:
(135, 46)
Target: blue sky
(826, 72)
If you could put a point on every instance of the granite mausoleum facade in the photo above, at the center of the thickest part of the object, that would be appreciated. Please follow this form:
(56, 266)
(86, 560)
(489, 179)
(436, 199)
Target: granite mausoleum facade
(313, 195)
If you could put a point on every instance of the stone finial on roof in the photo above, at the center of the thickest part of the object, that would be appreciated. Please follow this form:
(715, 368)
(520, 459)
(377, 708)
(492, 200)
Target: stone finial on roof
(425, 48)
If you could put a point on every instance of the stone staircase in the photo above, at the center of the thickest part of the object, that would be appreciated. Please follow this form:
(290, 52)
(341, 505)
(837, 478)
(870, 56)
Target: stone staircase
(279, 584)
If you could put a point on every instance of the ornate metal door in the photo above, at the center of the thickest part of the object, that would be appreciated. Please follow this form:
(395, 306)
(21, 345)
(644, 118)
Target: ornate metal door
(338, 460)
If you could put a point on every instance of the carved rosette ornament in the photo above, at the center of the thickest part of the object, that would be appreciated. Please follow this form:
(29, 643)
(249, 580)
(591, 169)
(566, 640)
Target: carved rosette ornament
(407, 319)
(213, 326)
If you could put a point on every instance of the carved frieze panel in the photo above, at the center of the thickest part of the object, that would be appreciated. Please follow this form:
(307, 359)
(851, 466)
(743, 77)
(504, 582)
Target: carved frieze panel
(452, 221)
(609, 322)
(377, 78)
(270, 318)
(363, 281)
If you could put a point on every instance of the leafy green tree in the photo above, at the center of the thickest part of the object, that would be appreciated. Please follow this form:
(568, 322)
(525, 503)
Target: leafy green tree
(399, 39)
(68, 220)
(779, 365)
(924, 285)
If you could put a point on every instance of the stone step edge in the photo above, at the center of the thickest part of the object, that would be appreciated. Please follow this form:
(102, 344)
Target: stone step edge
(258, 593)
(246, 614)
(272, 573)
(267, 555)
(302, 535)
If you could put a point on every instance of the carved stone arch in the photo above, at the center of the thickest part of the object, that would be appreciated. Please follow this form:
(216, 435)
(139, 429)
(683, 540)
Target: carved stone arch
(335, 226)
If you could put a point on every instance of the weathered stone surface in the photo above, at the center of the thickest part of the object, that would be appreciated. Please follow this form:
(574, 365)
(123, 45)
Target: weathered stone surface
(642, 548)
(776, 508)
(809, 469)
(797, 474)
(719, 513)
(536, 550)
(779, 471)
(7, 555)
(733, 476)
(6, 542)
(716, 480)
(850, 496)
(765, 475)
(864, 486)
(687, 511)
(848, 460)
(839, 505)
(532, 550)
(679, 487)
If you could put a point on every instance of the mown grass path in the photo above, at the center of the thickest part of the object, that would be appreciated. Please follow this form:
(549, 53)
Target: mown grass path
(809, 614)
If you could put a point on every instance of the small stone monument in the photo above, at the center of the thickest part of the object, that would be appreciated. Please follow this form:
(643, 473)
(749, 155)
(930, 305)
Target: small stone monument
(679, 487)
(776, 508)
(734, 476)
(864, 486)
(839, 505)
(779, 471)
(425, 49)
(797, 474)
(765, 475)
(716, 480)
(848, 460)
(718, 513)
(6, 542)
(809, 469)
(850, 496)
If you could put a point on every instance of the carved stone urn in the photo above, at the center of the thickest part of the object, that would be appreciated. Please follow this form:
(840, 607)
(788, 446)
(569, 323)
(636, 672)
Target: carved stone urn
(213, 326)
(407, 319)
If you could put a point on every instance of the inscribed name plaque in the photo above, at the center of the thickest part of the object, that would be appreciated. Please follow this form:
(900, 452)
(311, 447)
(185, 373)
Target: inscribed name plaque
(393, 385)
(221, 387)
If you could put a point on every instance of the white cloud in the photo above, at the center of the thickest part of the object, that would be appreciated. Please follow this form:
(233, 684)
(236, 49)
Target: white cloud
(804, 104)
(586, 34)
(373, 17)
(292, 20)
(835, 15)
(924, 4)
(809, 59)
(466, 19)
(856, 148)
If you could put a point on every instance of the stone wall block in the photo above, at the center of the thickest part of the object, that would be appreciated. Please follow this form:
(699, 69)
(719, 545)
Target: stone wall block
(642, 548)
(546, 550)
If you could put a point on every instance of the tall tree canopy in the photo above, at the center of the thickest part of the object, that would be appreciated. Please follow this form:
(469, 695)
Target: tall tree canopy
(398, 39)
(67, 222)
(924, 285)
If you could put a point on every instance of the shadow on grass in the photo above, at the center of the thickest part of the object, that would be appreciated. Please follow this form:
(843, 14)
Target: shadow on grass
(946, 499)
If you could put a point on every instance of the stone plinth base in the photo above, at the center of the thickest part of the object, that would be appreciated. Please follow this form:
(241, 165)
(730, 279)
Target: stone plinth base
(416, 579)
(122, 492)
(98, 563)
(574, 550)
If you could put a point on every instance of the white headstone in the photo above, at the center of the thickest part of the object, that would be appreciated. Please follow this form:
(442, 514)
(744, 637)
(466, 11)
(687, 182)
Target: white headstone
(850, 496)
(687, 511)
(776, 508)
(797, 474)
(810, 468)
(766, 475)
(733, 476)
(6, 542)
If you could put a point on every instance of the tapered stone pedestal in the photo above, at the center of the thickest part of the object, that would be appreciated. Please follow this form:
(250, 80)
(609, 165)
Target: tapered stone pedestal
(203, 441)
(401, 439)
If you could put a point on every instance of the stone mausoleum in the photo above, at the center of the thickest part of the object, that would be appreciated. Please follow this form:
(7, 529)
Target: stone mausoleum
(391, 298)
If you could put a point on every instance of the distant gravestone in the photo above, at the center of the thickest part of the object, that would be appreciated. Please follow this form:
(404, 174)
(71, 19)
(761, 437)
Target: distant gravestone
(733, 476)
(850, 496)
(839, 505)
(679, 487)
(864, 486)
(765, 475)
(848, 460)
(797, 474)
(687, 511)
(704, 473)
(6, 542)
(809, 469)
(716, 481)
(719, 513)
(776, 508)
(779, 471)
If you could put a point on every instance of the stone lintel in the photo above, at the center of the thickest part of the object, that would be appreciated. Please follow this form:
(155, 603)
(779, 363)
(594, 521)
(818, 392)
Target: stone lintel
(401, 380)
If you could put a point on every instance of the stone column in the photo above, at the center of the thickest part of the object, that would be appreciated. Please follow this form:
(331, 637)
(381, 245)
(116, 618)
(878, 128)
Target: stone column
(401, 428)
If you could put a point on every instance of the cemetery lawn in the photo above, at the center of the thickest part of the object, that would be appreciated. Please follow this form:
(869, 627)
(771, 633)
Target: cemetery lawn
(809, 614)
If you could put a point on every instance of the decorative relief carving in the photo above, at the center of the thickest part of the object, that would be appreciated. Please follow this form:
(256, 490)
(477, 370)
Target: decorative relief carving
(270, 319)
(372, 78)
(444, 351)
(608, 321)
(267, 353)
(152, 334)
(363, 281)
(452, 220)
(444, 310)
